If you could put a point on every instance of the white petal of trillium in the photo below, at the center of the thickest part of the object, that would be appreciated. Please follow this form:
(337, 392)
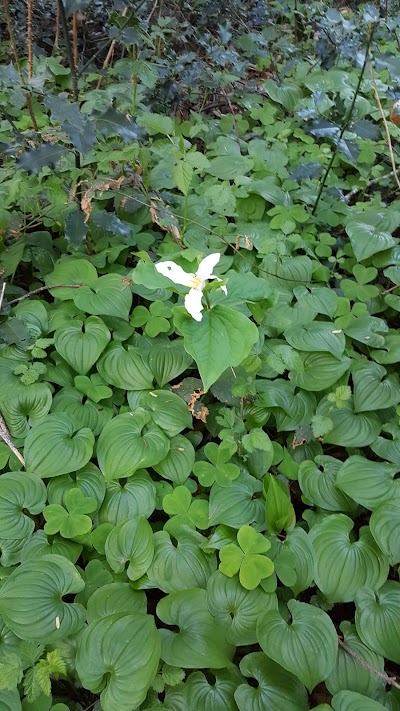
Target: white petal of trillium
(196, 282)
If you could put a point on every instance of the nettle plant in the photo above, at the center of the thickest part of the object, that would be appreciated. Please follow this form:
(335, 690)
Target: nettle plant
(199, 497)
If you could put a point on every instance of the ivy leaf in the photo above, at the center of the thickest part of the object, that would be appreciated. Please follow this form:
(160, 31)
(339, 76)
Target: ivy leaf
(115, 123)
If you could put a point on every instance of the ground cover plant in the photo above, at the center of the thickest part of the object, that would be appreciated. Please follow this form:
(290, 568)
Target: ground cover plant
(199, 348)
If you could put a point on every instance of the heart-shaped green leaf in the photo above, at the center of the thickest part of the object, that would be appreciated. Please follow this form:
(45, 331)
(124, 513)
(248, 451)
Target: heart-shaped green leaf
(349, 428)
(319, 336)
(168, 411)
(307, 646)
(113, 598)
(200, 642)
(126, 369)
(352, 701)
(203, 340)
(18, 493)
(178, 464)
(384, 524)
(82, 343)
(130, 541)
(371, 390)
(89, 480)
(54, 447)
(129, 498)
(203, 695)
(348, 673)
(42, 616)
(128, 443)
(369, 233)
(168, 359)
(26, 408)
(317, 480)
(109, 295)
(235, 505)
(70, 271)
(320, 371)
(275, 689)
(118, 657)
(344, 566)
(378, 619)
(367, 482)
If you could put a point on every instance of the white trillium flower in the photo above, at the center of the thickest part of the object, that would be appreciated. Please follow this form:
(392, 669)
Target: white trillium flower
(196, 282)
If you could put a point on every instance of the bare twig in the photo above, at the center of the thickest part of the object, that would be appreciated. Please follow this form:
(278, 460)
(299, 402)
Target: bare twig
(382, 113)
(57, 35)
(387, 679)
(233, 116)
(5, 436)
(110, 52)
(375, 181)
(3, 288)
(75, 40)
(392, 288)
(29, 37)
(39, 290)
(13, 45)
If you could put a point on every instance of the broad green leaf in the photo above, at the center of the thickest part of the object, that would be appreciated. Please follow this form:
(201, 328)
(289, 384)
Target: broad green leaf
(130, 442)
(344, 566)
(378, 619)
(221, 324)
(297, 553)
(31, 599)
(369, 233)
(10, 700)
(200, 642)
(386, 448)
(130, 542)
(89, 480)
(115, 598)
(178, 464)
(352, 701)
(70, 271)
(118, 657)
(279, 512)
(367, 482)
(274, 689)
(128, 498)
(46, 154)
(321, 370)
(20, 492)
(25, 408)
(235, 505)
(384, 524)
(237, 609)
(203, 695)
(349, 428)
(54, 447)
(109, 295)
(126, 369)
(320, 336)
(83, 412)
(348, 673)
(230, 166)
(183, 174)
(306, 647)
(38, 546)
(81, 344)
(168, 360)
(371, 390)
(157, 123)
(317, 480)
(180, 564)
(168, 411)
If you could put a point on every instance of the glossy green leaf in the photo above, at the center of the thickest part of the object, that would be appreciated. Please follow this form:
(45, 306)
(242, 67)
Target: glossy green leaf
(118, 657)
(378, 619)
(200, 642)
(321, 370)
(108, 295)
(115, 598)
(317, 480)
(344, 565)
(128, 443)
(367, 482)
(202, 340)
(83, 412)
(26, 408)
(20, 492)
(372, 391)
(130, 542)
(125, 369)
(279, 512)
(384, 524)
(70, 271)
(167, 360)
(274, 687)
(348, 673)
(89, 480)
(319, 336)
(352, 701)
(306, 647)
(31, 599)
(178, 464)
(236, 608)
(180, 564)
(54, 447)
(349, 428)
(82, 343)
(235, 505)
(368, 232)
(128, 498)
(168, 411)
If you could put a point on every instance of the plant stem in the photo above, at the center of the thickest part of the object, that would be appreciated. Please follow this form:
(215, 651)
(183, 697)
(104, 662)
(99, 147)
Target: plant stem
(13, 45)
(70, 54)
(346, 121)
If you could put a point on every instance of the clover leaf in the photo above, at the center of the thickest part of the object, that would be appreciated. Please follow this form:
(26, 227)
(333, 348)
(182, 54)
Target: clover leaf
(72, 520)
(180, 505)
(219, 471)
(153, 320)
(94, 387)
(247, 558)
